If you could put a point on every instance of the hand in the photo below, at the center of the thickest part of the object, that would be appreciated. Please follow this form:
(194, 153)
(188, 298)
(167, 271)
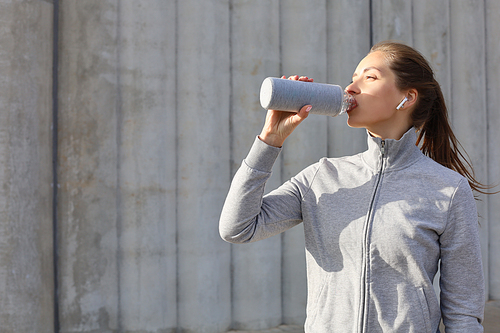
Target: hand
(280, 124)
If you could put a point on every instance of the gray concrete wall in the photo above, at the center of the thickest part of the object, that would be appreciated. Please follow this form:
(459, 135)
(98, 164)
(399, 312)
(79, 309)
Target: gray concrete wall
(26, 257)
(203, 169)
(256, 268)
(492, 49)
(157, 106)
(117, 166)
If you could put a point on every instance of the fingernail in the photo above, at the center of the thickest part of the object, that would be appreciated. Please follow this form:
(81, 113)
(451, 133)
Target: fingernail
(308, 108)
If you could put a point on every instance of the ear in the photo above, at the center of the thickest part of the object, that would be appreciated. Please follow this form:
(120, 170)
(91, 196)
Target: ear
(411, 95)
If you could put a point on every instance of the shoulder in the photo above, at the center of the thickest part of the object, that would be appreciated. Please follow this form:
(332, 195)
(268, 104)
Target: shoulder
(329, 169)
(328, 164)
(343, 162)
(447, 183)
(437, 173)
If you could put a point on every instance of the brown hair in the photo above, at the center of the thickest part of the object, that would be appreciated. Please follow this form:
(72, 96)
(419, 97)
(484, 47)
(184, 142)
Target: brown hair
(430, 115)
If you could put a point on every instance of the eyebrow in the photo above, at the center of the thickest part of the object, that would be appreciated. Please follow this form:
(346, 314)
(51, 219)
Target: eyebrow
(367, 69)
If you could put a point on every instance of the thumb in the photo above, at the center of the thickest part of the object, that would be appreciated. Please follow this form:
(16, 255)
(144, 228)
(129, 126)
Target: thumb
(304, 112)
(300, 116)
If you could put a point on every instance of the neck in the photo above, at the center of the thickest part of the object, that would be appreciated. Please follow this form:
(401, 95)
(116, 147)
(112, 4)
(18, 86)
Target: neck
(395, 132)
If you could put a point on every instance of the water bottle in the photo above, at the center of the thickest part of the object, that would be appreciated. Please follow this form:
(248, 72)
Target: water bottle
(292, 95)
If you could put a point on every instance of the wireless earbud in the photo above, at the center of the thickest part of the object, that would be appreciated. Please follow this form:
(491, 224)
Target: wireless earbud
(402, 103)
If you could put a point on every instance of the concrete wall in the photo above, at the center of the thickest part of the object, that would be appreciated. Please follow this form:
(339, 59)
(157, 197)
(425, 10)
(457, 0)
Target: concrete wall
(26, 242)
(117, 166)
(256, 268)
(157, 104)
(492, 49)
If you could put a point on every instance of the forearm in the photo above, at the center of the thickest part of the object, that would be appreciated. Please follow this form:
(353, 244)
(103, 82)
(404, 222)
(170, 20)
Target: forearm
(247, 214)
(243, 203)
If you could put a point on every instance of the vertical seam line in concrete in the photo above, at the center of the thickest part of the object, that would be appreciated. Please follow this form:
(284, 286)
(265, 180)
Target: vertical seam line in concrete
(280, 52)
(488, 201)
(371, 22)
(55, 112)
(176, 156)
(412, 24)
(449, 107)
(119, 122)
(231, 153)
(448, 52)
(328, 72)
(282, 235)
(486, 101)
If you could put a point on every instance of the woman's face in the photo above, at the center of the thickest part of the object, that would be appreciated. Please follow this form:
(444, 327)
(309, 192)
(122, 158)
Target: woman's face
(374, 88)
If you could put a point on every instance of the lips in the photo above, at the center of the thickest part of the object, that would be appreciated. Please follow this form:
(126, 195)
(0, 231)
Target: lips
(351, 103)
(352, 106)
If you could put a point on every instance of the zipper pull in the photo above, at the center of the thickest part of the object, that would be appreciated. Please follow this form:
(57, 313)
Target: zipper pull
(383, 148)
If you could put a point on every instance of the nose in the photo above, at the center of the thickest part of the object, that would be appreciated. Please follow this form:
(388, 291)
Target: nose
(352, 88)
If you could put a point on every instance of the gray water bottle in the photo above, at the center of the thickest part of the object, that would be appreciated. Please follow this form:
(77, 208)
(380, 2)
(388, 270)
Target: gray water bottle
(292, 95)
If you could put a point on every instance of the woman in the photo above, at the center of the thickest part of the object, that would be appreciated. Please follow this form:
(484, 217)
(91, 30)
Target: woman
(377, 223)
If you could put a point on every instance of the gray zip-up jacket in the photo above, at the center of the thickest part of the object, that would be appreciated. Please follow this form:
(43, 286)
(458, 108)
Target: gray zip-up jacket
(376, 225)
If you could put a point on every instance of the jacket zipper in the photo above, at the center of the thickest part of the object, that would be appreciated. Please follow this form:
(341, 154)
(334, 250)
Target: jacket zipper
(366, 245)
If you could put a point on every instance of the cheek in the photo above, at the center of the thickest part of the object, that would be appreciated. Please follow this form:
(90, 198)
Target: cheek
(373, 110)
(385, 104)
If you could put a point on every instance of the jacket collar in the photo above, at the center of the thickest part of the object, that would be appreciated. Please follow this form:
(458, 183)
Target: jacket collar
(398, 154)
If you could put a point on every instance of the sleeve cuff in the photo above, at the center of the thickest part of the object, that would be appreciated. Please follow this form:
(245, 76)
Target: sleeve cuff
(262, 156)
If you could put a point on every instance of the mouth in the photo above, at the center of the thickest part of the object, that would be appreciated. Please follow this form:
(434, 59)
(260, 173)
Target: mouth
(352, 104)
(348, 103)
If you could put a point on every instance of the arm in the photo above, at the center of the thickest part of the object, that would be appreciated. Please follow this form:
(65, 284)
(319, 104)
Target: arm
(462, 281)
(247, 216)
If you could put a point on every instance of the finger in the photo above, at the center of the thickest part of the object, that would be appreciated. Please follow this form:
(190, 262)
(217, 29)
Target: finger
(304, 111)
(293, 77)
(306, 79)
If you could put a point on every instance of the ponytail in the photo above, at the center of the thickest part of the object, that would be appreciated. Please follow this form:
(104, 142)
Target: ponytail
(439, 143)
(430, 115)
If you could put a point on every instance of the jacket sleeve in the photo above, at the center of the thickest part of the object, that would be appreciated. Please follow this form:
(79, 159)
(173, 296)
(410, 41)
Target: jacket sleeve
(247, 214)
(462, 281)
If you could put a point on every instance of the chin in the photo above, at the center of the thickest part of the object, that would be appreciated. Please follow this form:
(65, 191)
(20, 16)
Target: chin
(352, 123)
